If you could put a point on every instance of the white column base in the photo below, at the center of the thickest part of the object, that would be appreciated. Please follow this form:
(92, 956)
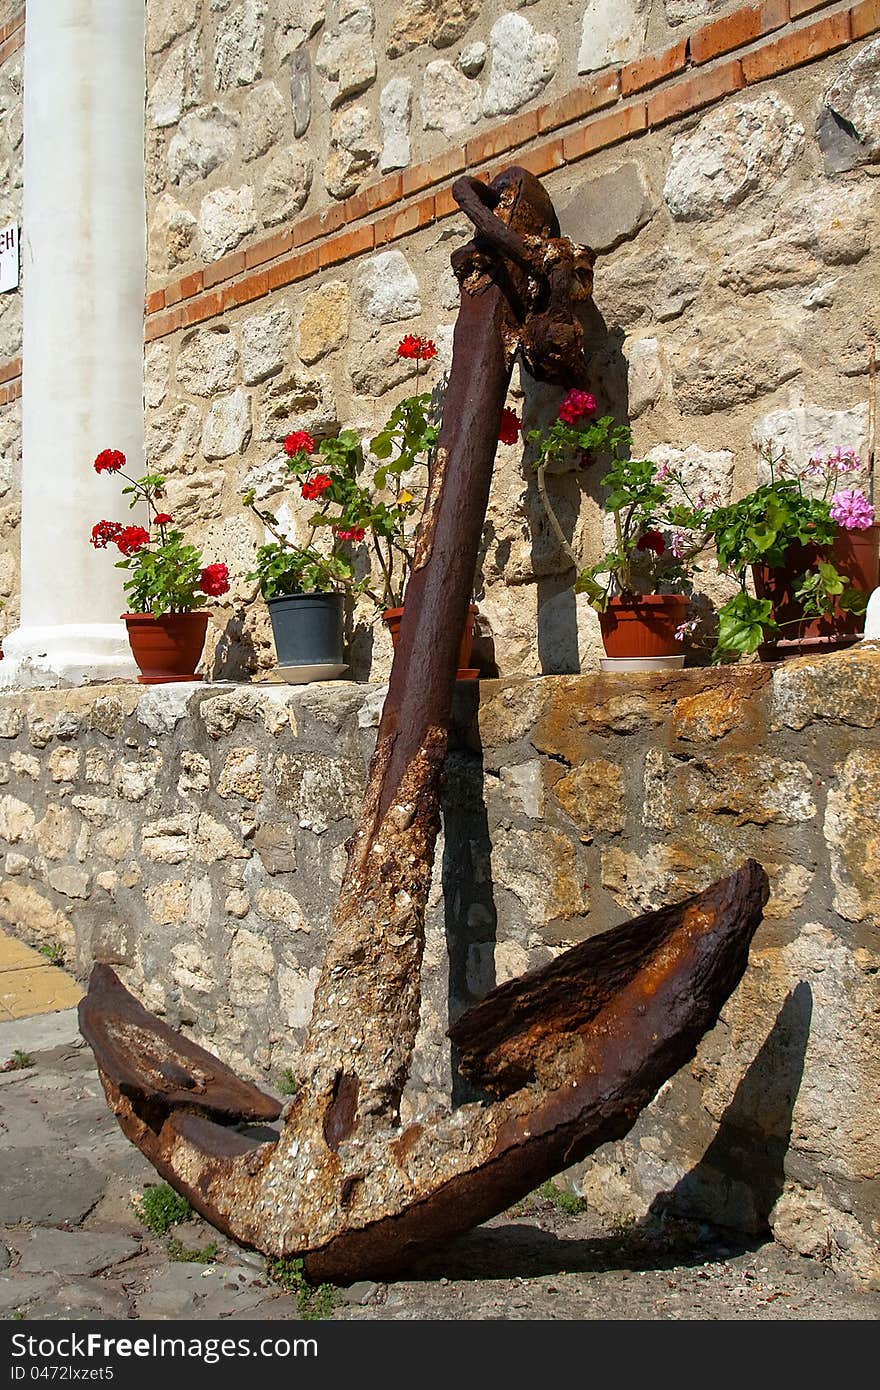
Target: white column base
(40, 658)
(872, 618)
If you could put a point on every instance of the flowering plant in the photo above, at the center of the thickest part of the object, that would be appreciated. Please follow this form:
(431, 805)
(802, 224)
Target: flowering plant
(641, 559)
(795, 507)
(165, 574)
(378, 512)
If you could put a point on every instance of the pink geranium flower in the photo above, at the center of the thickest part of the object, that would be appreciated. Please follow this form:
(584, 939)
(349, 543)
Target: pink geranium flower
(851, 509)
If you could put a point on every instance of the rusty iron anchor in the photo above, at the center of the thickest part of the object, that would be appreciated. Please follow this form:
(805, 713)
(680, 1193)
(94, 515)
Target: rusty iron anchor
(568, 1056)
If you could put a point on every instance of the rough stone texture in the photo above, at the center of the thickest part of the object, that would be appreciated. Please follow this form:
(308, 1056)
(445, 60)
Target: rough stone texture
(301, 91)
(176, 85)
(323, 323)
(386, 288)
(521, 63)
(157, 364)
(734, 151)
(353, 151)
(238, 50)
(264, 344)
(805, 430)
(262, 120)
(345, 57)
(228, 426)
(848, 128)
(437, 22)
(226, 217)
(168, 19)
(683, 11)
(206, 361)
(613, 32)
(395, 113)
(203, 141)
(647, 375)
(449, 102)
(285, 186)
(736, 369)
(699, 470)
(171, 235)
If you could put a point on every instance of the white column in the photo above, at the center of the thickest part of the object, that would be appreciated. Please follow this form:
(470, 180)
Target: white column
(83, 261)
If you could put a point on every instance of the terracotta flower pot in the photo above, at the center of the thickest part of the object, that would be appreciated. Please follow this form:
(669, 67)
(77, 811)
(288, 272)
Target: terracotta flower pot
(168, 648)
(856, 555)
(643, 625)
(392, 618)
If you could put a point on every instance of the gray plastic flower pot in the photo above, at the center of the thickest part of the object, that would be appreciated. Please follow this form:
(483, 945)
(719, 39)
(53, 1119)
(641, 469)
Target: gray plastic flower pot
(307, 629)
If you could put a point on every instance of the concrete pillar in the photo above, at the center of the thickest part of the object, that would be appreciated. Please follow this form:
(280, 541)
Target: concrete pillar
(83, 262)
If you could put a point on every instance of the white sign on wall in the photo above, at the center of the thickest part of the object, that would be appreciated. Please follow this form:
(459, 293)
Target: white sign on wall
(9, 257)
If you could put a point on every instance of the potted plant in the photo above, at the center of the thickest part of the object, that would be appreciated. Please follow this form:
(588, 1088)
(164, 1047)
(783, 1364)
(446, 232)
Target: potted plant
(635, 587)
(168, 585)
(810, 547)
(304, 587)
(377, 513)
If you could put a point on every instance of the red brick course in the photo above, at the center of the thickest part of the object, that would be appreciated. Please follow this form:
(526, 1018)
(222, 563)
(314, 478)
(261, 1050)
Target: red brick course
(799, 47)
(647, 72)
(735, 30)
(693, 92)
(865, 18)
(590, 96)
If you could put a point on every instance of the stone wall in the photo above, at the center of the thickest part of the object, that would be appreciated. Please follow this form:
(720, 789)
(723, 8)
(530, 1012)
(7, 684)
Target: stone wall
(735, 291)
(194, 837)
(11, 150)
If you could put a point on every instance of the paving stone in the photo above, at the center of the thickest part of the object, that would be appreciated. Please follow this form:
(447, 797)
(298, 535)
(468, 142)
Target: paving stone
(33, 1190)
(81, 1300)
(73, 1252)
(17, 1291)
(5, 1256)
(204, 1291)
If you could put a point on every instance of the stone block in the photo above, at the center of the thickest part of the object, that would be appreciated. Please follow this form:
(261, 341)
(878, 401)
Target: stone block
(609, 208)
(613, 31)
(521, 63)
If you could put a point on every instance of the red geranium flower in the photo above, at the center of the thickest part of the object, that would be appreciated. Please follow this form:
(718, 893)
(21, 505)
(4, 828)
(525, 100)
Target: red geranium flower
(352, 533)
(162, 519)
(575, 405)
(104, 532)
(131, 539)
(311, 491)
(300, 442)
(511, 424)
(109, 461)
(651, 540)
(214, 580)
(419, 349)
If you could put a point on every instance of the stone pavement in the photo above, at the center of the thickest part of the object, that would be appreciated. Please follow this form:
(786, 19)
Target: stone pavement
(72, 1247)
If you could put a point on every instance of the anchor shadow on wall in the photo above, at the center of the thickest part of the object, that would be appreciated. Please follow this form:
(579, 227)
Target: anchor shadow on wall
(741, 1175)
(535, 555)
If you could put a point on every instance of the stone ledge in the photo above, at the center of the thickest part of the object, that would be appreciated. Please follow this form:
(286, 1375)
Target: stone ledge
(194, 837)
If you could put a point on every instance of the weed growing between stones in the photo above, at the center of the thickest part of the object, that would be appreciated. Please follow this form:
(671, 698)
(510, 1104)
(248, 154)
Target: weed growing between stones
(564, 1201)
(179, 1253)
(160, 1207)
(313, 1302)
(53, 951)
(288, 1083)
(19, 1061)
